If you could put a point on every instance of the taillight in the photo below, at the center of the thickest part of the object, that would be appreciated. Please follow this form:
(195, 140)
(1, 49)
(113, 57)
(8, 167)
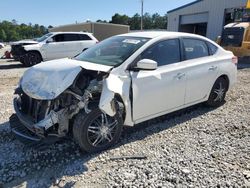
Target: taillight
(235, 60)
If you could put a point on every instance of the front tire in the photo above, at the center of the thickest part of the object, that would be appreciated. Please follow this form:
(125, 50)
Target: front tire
(32, 58)
(218, 93)
(96, 131)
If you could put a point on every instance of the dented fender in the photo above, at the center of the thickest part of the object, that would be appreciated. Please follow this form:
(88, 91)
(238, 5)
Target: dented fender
(106, 99)
(112, 85)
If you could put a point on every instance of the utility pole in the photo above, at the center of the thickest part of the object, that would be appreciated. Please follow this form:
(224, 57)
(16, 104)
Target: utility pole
(141, 14)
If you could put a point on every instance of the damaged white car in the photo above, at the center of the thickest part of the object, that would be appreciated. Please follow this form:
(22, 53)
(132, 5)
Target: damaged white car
(124, 80)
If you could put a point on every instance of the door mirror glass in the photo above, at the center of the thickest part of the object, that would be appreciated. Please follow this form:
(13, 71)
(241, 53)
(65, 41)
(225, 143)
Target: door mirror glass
(146, 64)
(50, 40)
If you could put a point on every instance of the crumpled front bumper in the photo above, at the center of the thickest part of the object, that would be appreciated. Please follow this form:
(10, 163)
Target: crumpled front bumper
(24, 127)
(21, 132)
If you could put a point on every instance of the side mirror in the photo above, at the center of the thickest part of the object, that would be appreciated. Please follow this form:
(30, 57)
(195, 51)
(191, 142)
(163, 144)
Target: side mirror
(50, 40)
(146, 64)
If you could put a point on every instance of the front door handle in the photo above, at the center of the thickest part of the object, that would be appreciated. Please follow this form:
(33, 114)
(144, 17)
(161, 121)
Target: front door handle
(180, 76)
(212, 68)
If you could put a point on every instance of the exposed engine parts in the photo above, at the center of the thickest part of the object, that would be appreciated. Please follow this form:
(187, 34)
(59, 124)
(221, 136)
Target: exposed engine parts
(53, 117)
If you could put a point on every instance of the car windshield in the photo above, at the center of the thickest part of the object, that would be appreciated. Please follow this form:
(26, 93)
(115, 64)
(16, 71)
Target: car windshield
(44, 37)
(113, 51)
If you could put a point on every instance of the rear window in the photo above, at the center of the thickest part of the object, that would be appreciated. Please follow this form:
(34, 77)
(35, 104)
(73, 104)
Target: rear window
(212, 48)
(195, 48)
(232, 36)
(84, 37)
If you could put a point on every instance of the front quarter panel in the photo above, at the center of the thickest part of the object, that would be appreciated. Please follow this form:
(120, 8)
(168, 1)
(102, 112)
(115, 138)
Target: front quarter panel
(33, 47)
(116, 84)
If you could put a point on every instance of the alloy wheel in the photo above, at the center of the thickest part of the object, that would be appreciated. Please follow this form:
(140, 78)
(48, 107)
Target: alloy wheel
(102, 130)
(220, 92)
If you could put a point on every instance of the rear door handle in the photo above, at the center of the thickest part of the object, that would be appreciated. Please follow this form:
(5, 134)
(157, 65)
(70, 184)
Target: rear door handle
(180, 76)
(212, 68)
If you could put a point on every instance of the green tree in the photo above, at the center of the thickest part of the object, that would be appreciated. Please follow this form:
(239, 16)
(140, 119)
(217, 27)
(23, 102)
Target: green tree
(135, 22)
(12, 31)
(155, 21)
(159, 22)
(3, 35)
(101, 21)
(120, 19)
(147, 21)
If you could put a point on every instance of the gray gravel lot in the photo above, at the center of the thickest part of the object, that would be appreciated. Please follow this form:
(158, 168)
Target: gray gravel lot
(197, 147)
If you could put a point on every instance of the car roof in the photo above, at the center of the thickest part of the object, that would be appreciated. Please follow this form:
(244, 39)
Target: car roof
(155, 34)
(61, 32)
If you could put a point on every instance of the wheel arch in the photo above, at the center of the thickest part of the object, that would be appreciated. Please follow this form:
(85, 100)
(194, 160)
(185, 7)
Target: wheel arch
(119, 99)
(226, 77)
(36, 51)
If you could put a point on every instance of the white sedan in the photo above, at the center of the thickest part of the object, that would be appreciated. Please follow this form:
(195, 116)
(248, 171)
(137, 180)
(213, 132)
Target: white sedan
(123, 80)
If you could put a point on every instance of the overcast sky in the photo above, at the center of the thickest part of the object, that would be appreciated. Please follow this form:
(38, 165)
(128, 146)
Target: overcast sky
(59, 12)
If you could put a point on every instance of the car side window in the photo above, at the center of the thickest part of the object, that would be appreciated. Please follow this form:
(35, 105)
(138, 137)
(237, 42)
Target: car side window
(83, 37)
(164, 53)
(212, 48)
(58, 38)
(70, 37)
(195, 48)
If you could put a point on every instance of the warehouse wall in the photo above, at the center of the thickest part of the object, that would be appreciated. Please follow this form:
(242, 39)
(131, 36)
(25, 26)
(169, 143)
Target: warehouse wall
(72, 27)
(103, 31)
(215, 9)
(100, 30)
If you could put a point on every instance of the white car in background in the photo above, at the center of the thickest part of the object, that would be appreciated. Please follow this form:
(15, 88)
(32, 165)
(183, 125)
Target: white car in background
(51, 46)
(123, 80)
(1, 45)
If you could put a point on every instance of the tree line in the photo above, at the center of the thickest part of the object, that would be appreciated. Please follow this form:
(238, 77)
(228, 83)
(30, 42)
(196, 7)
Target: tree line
(155, 21)
(12, 31)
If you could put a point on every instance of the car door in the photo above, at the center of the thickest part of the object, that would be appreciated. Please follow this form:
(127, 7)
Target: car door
(202, 69)
(54, 47)
(71, 45)
(159, 91)
(85, 42)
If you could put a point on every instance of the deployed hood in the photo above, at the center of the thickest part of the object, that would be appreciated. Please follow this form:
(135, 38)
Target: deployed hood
(24, 42)
(48, 80)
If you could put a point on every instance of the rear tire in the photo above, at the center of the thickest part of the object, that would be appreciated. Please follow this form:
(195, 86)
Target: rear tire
(218, 93)
(96, 131)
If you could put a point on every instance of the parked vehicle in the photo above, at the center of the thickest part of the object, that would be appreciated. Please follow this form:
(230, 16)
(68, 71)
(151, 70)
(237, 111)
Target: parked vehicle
(236, 38)
(1, 45)
(236, 35)
(51, 46)
(123, 80)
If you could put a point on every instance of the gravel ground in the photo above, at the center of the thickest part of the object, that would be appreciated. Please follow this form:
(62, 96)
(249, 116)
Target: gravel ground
(197, 147)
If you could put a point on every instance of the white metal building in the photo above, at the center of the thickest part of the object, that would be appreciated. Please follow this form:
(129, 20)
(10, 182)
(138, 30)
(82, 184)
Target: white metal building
(204, 17)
